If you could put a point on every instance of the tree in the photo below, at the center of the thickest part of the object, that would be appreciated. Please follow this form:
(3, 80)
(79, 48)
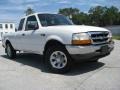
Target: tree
(81, 18)
(29, 11)
(96, 15)
(118, 23)
(103, 16)
(69, 11)
(111, 16)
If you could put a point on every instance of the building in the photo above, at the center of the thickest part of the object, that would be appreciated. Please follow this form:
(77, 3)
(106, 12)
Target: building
(5, 27)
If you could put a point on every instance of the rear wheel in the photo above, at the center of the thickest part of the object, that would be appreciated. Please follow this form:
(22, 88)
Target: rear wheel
(11, 53)
(57, 59)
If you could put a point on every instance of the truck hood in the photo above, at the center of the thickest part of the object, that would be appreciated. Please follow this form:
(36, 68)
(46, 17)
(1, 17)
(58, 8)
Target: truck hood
(75, 28)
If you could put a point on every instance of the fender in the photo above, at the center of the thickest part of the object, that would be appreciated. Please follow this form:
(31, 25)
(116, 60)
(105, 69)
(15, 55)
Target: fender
(52, 37)
(4, 41)
(55, 37)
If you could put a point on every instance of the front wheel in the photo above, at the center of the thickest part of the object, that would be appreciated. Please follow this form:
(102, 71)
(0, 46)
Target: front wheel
(57, 59)
(11, 53)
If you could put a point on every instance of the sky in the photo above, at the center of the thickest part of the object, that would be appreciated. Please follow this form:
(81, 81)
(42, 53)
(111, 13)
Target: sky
(14, 9)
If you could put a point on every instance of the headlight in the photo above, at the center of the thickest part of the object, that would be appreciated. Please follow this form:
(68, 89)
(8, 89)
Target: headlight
(110, 36)
(81, 39)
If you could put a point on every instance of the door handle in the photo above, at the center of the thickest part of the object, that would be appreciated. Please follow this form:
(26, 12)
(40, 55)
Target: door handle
(23, 34)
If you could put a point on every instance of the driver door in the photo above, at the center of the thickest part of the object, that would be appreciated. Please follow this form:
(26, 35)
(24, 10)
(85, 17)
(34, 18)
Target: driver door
(30, 35)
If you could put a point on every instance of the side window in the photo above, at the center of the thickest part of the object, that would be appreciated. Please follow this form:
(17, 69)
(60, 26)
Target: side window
(21, 24)
(31, 23)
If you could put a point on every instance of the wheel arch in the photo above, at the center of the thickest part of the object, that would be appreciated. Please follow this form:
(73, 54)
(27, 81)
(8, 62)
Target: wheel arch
(53, 42)
(8, 41)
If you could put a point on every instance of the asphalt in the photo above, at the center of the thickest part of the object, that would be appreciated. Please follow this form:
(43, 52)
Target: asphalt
(27, 72)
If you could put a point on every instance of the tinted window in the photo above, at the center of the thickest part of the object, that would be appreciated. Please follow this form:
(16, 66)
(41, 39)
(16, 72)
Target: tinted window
(31, 23)
(53, 19)
(21, 25)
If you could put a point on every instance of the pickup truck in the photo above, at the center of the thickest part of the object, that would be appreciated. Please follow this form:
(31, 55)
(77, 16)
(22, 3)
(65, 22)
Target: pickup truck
(59, 41)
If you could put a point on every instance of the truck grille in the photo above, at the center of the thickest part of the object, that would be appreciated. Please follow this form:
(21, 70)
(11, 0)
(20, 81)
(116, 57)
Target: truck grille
(99, 37)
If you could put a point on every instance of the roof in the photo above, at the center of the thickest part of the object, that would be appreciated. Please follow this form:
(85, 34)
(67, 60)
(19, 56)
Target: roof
(36, 14)
(7, 21)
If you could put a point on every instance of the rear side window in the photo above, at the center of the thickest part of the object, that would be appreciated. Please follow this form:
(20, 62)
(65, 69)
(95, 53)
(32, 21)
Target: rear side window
(21, 24)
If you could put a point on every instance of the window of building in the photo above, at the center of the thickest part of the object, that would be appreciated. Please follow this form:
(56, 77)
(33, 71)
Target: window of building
(11, 26)
(1, 26)
(6, 26)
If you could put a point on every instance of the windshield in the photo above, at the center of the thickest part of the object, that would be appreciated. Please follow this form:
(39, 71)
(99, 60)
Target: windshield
(53, 19)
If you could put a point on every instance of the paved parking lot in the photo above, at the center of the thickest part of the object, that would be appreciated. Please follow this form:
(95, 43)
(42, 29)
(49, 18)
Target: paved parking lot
(27, 72)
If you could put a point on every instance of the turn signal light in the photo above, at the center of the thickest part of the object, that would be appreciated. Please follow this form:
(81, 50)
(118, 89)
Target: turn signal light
(81, 42)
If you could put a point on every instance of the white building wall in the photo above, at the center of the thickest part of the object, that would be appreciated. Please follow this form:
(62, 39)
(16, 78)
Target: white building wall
(4, 30)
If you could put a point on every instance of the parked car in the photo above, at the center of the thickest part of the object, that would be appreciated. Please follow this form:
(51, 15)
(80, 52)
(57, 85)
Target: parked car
(60, 41)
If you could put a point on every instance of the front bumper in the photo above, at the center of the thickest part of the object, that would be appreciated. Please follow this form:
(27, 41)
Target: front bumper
(90, 52)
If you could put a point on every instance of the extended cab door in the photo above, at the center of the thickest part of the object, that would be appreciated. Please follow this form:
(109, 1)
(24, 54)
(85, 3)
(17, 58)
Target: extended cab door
(17, 41)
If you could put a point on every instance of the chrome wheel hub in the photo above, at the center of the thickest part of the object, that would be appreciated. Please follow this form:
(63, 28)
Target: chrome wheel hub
(58, 59)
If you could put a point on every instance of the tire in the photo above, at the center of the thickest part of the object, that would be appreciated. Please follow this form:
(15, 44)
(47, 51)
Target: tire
(57, 60)
(11, 53)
